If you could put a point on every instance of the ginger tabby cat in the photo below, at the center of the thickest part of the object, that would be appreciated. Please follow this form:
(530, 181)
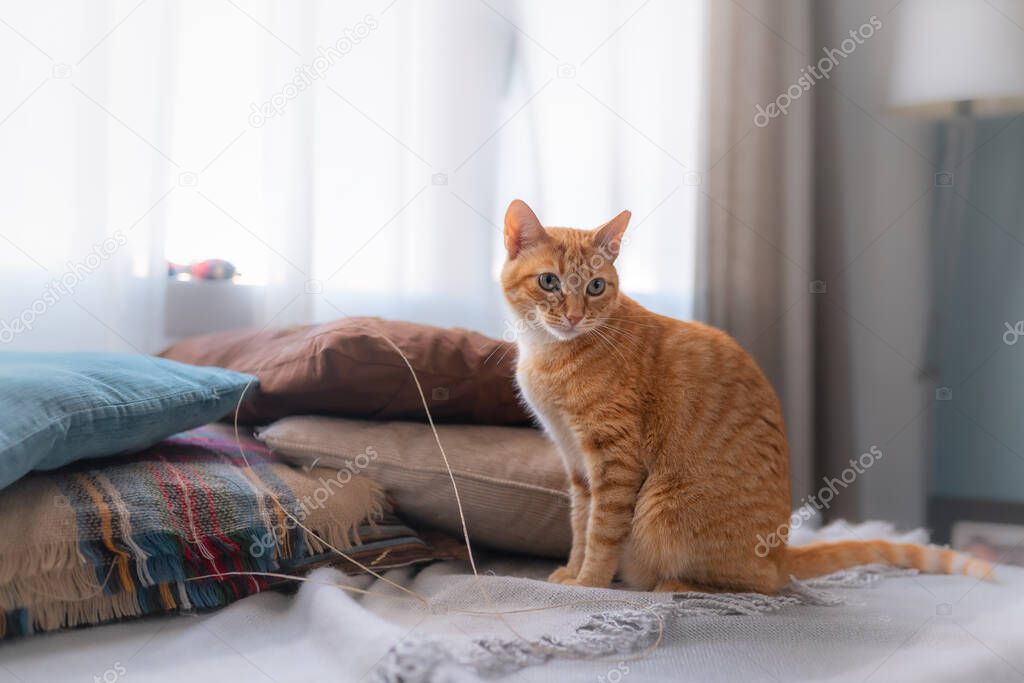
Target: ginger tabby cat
(672, 436)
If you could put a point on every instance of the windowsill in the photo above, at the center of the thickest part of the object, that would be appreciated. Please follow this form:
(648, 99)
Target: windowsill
(187, 281)
(196, 306)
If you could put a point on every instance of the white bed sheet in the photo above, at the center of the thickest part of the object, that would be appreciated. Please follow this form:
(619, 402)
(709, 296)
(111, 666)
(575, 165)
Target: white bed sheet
(928, 628)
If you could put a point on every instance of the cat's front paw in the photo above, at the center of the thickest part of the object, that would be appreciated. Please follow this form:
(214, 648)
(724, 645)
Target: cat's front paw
(563, 575)
(587, 581)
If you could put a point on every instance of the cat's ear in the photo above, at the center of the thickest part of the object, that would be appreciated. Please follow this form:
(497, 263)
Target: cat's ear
(522, 228)
(608, 237)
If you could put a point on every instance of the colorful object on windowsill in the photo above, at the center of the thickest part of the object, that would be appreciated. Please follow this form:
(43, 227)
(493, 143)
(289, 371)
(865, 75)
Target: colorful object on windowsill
(210, 269)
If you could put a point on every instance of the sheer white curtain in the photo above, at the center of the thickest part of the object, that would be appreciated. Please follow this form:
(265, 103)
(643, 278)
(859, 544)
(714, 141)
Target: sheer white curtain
(83, 127)
(349, 157)
(581, 108)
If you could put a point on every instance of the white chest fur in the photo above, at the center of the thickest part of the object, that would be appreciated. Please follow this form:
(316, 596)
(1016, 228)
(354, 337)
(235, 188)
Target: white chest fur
(551, 417)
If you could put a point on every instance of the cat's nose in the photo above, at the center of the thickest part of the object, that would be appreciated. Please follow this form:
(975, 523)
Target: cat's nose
(573, 319)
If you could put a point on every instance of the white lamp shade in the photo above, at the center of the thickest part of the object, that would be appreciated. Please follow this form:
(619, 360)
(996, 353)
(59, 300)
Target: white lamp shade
(951, 51)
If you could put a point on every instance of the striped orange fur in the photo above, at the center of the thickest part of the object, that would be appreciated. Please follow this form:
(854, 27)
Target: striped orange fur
(673, 438)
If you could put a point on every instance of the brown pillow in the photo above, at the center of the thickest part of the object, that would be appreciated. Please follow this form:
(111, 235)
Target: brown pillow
(345, 367)
(511, 480)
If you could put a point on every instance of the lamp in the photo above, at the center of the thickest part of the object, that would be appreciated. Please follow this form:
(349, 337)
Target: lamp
(958, 57)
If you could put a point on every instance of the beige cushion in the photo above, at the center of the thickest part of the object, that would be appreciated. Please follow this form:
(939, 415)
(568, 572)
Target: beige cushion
(511, 480)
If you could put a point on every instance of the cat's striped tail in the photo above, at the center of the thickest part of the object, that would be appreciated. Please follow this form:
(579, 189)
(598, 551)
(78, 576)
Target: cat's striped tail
(818, 559)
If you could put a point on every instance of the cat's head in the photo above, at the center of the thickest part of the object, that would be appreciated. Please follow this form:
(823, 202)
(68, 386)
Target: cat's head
(560, 281)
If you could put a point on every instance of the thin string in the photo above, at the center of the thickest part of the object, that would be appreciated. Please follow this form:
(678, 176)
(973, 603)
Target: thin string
(306, 579)
(413, 595)
(298, 522)
(76, 598)
(410, 594)
(476, 613)
(458, 499)
(444, 456)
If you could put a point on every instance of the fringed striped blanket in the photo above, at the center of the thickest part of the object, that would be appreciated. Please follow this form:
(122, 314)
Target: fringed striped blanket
(111, 539)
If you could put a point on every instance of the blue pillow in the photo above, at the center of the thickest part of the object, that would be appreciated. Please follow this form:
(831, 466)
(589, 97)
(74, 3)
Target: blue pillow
(56, 408)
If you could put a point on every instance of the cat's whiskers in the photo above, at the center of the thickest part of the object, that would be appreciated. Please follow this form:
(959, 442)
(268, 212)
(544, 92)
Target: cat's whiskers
(631, 341)
(630, 323)
(598, 339)
(618, 347)
(491, 354)
(610, 343)
(503, 353)
(609, 324)
(629, 320)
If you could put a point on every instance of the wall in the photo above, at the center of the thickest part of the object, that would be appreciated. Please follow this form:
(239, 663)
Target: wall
(979, 431)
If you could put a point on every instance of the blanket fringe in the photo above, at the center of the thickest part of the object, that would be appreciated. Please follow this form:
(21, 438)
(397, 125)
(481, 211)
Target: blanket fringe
(64, 589)
(620, 632)
(41, 559)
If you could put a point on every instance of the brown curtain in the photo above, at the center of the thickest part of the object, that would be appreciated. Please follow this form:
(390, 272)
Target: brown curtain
(757, 279)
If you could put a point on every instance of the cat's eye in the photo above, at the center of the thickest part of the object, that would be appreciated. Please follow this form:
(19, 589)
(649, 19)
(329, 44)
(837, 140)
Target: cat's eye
(596, 286)
(548, 282)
